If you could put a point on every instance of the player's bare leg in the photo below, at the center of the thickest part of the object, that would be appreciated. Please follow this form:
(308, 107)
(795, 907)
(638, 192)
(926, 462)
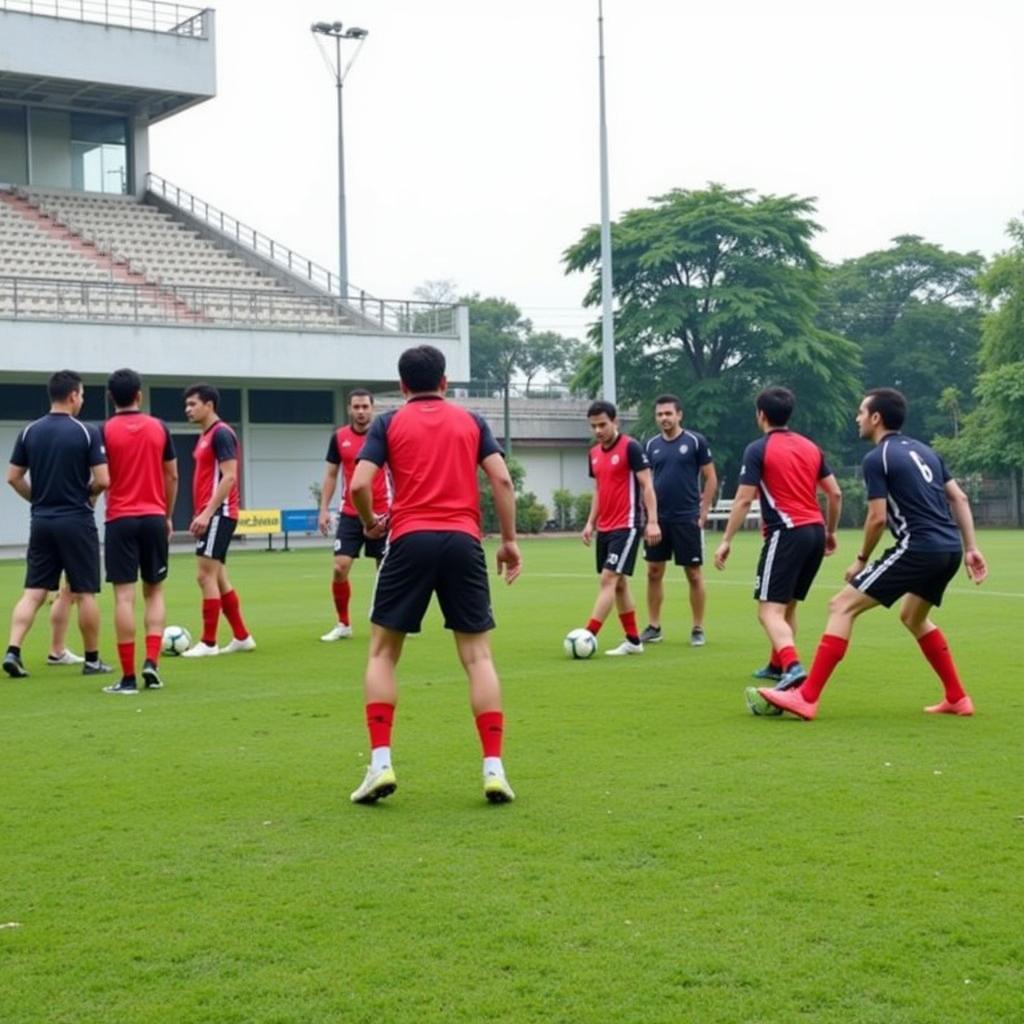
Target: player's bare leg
(241, 639)
(89, 626)
(915, 614)
(208, 578)
(154, 619)
(60, 621)
(485, 700)
(655, 593)
(698, 601)
(341, 592)
(380, 688)
(22, 617)
(124, 633)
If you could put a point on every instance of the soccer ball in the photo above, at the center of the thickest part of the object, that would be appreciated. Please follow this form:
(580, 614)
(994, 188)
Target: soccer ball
(580, 643)
(177, 640)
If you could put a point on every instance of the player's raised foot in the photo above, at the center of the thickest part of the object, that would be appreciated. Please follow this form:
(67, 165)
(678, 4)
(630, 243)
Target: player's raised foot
(626, 647)
(95, 668)
(66, 657)
(793, 676)
(497, 790)
(791, 701)
(13, 666)
(964, 706)
(150, 676)
(339, 632)
(237, 646)
(768, 672)
(377, 784)
(697, 637)
(127, 687)
(201, 650)
(651, 635)
(758, 705)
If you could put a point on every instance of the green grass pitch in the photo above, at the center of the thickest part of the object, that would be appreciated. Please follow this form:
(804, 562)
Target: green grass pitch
(190, 855)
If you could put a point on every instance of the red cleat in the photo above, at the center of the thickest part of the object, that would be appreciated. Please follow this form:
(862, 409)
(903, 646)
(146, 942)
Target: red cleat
(791, 701)
(961, 707)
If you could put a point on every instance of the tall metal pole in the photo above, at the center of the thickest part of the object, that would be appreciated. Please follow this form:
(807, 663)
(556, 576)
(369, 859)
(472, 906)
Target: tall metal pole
(342, 226)
(607, 326)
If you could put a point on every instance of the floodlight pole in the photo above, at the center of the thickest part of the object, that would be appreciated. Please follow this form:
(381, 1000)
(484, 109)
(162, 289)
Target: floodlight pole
(607, 324)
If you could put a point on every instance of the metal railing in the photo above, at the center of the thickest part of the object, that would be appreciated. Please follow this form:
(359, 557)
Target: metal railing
(32, 298)
(144, 15)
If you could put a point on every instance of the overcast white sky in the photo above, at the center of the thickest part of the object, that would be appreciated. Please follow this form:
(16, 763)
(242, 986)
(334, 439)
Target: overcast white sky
(471, 127)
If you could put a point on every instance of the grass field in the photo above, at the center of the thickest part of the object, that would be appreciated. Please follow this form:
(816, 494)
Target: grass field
(190, 855)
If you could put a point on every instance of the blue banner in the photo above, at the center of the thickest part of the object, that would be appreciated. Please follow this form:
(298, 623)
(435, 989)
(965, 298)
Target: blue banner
(299, 520)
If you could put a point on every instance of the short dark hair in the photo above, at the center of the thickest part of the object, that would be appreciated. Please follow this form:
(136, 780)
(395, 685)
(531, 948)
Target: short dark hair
(62, 385)
(777, 404)
(602, 408)
(124, 385)
(665, 399)
(421, 368)
(890, 404)
(205, 393)
(360, 393)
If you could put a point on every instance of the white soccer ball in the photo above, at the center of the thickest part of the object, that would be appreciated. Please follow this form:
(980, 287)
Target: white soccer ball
(177, 640)
(580, 643)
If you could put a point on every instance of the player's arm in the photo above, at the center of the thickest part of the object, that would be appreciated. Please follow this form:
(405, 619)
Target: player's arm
(874, 527)
(707, 495)
(834, 505)
(170, 468)
(509, 558)
(327, 488)
(17, 478)
(652, 531)
(100, 481)
(588, 526)
(741, 502)
(228, 478)
(374, 526)
(960, 509)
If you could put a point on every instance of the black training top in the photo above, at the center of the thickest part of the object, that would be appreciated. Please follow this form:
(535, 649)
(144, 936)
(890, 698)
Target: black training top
(676, 465)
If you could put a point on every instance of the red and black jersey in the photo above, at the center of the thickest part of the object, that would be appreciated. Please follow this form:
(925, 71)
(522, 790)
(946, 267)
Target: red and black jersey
(619, 500)
(433, 449)
(216, 444)
(785, 467)
(137, 446)
(343, 450)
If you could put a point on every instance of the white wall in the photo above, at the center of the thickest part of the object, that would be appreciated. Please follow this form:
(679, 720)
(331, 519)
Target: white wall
(282, 462)
(550, 469)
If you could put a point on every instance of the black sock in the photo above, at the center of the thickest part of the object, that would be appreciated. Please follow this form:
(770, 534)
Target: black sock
(92, 657)
(16, 651)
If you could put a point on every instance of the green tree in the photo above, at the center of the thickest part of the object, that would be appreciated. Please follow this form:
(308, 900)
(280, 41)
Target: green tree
(717, 294)
(547, 351)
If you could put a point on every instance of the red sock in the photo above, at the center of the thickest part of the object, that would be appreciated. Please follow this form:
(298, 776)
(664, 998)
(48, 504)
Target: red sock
(233, 613)
(211, 613)
(786, 656)
(593, 626)
(774, 660)
(934, 647)
(628, 620)
(379, 719)
(830, 652)
(491, 727)
(342, 592)
(126, 653)
(154, 641)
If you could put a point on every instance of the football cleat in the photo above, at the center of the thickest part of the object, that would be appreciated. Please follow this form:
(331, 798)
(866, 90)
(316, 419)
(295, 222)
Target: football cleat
(964, 706)
(66, 657)
(376, 785)
(791, 701)
(497, 790)
(758, 705)
(236, 646)
(201, 650)
(768, 672)
(651, 635)
(697, 637)
(625, 648)
(13, 666)
(124, 686)
(150, 676)
(339, 632)
(95, 668)
(793, 676)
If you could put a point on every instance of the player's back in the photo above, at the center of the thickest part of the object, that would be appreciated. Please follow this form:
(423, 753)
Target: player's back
(58, 450)
(137, 446)
(786, 466)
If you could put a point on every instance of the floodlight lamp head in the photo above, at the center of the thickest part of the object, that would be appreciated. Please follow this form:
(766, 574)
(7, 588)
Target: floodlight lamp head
(323, 27)
(356, 33)
(336, 27)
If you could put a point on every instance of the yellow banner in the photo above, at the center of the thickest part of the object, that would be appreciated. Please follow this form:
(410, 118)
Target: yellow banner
(258, 520)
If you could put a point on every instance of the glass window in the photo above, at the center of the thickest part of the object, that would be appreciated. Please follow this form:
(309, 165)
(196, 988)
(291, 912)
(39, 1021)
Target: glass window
(169, 404)
(13, 146)
(274, 406)
(25, 402)
(99, 153)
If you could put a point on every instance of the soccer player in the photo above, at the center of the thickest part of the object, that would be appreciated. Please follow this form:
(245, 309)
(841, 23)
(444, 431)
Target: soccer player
(623, 492)
(786, 469)
(140, 501)
(928, 514)
(679, 460)
(349, 540)
(59, 467)
(215, 503)
(433, 449)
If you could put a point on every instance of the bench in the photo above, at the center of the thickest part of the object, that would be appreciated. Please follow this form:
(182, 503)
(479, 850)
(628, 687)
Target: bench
(723, 509)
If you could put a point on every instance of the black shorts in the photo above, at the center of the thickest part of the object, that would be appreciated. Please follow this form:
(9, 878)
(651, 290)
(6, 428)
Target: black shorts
(427, 562)
(683, 542)
(788, 564)
(616, 550)
(68, 544)
(214, 543)
(925, 574)
(350, 539)
(135, 544)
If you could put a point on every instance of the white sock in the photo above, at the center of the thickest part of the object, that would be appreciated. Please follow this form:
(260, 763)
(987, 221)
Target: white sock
(493, 766)
(380, 757)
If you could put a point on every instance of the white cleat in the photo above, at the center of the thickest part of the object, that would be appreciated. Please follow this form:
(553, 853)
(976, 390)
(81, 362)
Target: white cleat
(625, 648)
(376, 785)
(339, 632)
(201, 650)
(65, 658)
(236, 646)
(497, 790)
